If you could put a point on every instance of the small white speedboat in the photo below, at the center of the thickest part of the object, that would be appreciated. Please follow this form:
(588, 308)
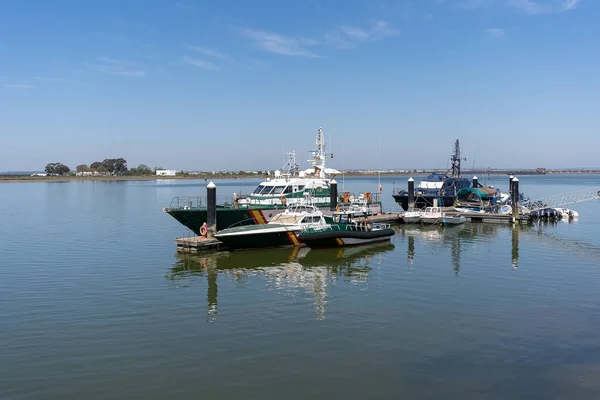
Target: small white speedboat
(453, 219)
(567, 213)
(412, 217)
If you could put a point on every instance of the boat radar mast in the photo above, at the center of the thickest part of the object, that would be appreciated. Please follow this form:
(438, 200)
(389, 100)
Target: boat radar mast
(319, 156)
(290, 168)
(455, 159)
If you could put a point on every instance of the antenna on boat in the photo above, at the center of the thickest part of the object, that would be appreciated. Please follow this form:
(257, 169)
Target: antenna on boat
(379, 172)
(343, 170)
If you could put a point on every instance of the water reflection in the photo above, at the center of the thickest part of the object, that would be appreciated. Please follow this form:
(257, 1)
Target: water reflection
(284, 270)
(515, 246)
(455, 237)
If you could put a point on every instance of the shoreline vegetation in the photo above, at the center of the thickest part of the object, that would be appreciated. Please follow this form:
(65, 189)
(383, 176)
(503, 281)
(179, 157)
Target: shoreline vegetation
(7, 178)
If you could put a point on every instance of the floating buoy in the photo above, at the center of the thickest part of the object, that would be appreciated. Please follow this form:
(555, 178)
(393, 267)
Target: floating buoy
(204, 230)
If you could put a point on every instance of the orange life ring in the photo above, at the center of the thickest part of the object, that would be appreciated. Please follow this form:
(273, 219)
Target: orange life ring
(203, 230)
(368, 196)
(283, 200)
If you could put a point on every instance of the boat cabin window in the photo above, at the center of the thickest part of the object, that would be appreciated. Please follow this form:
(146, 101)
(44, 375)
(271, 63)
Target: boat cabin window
(311, 219)
(266, 190)
(342, 219)
(258, 189)
(287, 190)
(301, 187)
(278, 190)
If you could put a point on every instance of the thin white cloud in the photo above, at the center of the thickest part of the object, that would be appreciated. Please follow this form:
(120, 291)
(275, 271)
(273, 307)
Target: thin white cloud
(197, 62)
(346, 36)
(496, 32)
(279, 44)
(117, 67)
(530, 7)
(19, 86)
(53, 80)
(544, 7)
(208, 52)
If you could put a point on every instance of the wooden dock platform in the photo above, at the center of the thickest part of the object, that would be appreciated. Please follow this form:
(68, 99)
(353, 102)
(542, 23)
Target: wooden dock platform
(383, 218)
(195, 244)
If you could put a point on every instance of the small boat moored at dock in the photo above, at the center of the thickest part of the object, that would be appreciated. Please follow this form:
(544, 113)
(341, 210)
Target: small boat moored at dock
(345, 231)
(281, 231)
(432, 215)
(453, 219)
(412, 217)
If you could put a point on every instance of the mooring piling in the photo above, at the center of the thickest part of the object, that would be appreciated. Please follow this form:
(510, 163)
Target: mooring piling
(515, 198)
(411, 193)
(211, 208)
(333, 195)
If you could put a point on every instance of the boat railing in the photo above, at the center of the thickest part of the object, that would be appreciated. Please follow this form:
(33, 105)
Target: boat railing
(244, 201)
(186, 202)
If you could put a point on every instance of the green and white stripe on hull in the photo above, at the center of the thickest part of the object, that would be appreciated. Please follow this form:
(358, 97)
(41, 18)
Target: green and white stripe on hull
(355, 241)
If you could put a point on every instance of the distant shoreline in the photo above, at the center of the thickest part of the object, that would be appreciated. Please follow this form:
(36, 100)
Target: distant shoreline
(28, 178)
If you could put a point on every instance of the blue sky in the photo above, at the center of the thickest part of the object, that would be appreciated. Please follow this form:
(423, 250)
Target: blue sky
(230, 85)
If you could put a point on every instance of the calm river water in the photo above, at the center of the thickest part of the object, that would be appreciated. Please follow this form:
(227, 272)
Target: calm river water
(96, 304)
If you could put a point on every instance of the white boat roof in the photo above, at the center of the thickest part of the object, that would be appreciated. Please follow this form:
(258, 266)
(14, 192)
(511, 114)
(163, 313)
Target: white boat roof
(296, 181)
(430, 185)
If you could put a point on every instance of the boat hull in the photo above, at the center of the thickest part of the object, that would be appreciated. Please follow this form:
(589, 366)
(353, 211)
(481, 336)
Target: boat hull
(411, 220)
(453, 220)
(344, 238)
(430, 221)
(260, 239)
(424, 201)
(193, 218)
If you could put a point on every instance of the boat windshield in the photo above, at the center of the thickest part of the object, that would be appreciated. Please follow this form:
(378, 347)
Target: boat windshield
(278, 190)
(430, 185)
(258, 189)
(284, 218)
(266, 190)
(311, 219)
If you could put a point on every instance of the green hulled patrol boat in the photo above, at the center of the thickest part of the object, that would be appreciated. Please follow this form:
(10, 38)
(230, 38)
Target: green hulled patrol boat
(289, 186)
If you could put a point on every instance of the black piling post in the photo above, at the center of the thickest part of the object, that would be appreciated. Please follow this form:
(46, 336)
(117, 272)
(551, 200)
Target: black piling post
(475, 182)
(411, 193)
(333, 195)
(510, 178)
(211, 208)
(515, 198)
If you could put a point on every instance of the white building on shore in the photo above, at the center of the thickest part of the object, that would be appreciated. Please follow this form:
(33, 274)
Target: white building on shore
(166, 172)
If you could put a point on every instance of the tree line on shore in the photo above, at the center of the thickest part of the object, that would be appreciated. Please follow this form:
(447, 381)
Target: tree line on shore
(110, 166)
